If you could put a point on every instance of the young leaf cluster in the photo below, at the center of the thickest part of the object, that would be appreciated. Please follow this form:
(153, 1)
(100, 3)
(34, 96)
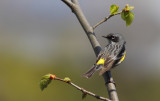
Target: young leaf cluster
(45, 81)
(126, 13)
(114, 9)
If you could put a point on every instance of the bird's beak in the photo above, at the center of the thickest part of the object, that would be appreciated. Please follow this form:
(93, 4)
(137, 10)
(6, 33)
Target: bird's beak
(104, 36)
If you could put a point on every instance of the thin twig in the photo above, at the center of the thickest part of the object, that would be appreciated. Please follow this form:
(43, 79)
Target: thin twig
(83, 90)
(105, 19)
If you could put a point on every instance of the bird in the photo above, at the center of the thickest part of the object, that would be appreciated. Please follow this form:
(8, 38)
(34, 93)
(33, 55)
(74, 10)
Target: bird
(113, 54)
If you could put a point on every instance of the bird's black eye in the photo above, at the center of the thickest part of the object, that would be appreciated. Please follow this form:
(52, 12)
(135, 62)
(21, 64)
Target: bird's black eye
(113, 37)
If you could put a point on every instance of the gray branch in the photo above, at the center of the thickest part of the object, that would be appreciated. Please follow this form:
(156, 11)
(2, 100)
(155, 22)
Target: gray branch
(75, 1)
(95, 44)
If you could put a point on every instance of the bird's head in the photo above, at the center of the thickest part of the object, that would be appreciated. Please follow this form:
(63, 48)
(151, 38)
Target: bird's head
(114, 37)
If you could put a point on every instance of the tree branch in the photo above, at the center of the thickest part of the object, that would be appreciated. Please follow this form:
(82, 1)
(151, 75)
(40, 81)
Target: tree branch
(75, 1)
(82, 89)
(86, 26)
(110, 84)
(96, 46)
(68, 3)
(105, 19)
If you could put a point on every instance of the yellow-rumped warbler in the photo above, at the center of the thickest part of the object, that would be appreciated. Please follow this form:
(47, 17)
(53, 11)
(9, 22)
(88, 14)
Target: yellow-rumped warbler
(113, 54)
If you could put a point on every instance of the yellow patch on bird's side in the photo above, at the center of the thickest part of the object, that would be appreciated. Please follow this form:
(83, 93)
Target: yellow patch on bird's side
(101, 61)
(123, 57)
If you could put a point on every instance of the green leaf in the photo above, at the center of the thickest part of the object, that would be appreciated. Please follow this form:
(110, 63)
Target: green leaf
(131, 8)
(123, 15)
(67, 79)
(127, 16)
(128, 8)
(45, 81)
(114, 9)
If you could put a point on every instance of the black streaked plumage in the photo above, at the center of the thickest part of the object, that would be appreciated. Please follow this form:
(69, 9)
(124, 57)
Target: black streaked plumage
(113, 54)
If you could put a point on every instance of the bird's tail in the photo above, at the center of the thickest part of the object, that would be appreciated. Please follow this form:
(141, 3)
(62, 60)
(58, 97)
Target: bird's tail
(90, 72)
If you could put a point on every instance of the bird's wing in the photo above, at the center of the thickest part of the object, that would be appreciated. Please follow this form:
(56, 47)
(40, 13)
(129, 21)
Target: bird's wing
(109, 61)
(110, 58)
(99, 56)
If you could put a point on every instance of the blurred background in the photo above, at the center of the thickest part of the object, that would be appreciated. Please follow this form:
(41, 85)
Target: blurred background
(43, 36)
